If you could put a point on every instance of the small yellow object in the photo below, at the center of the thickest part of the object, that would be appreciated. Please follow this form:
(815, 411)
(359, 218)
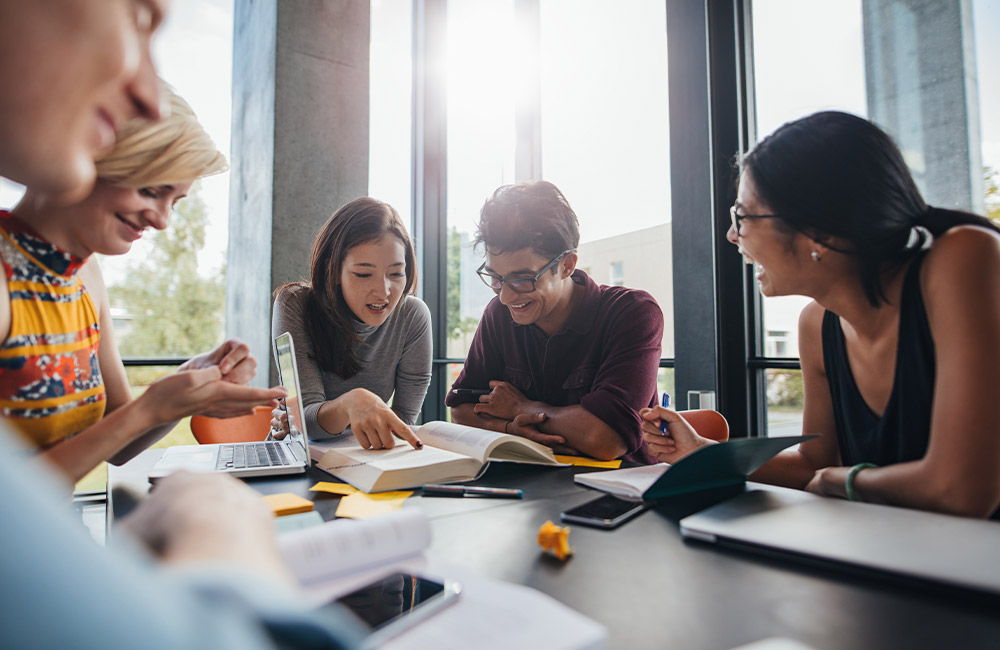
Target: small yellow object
(584, 461)
(556, 539)
(287, 503)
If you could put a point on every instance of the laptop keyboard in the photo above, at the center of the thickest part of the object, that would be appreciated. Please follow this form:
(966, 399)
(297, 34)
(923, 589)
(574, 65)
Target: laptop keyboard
(252, 454)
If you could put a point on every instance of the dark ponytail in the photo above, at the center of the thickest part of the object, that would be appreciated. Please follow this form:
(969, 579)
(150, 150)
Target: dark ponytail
(836, 175)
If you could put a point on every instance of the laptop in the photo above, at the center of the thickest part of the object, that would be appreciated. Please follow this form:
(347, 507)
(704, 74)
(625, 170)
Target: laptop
(266, 458)
(896, 542)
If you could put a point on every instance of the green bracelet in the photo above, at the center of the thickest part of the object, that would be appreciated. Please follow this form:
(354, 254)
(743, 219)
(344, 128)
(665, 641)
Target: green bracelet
(849, 482)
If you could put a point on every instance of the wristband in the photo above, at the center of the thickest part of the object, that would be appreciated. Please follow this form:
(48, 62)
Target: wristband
(505, 425)
(849, 482)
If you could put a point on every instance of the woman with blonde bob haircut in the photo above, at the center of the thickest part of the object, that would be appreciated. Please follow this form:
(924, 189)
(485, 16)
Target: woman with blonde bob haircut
(62, 381)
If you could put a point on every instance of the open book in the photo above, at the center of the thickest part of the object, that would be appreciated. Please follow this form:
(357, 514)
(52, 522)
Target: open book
(452, 452)
(343, 546)
(712, 466)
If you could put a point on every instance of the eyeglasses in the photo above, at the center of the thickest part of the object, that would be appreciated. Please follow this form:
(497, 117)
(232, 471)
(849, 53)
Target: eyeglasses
(737, 218)
(518, 285)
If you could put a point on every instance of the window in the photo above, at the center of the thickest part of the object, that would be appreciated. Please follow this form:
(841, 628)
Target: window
(922, 71)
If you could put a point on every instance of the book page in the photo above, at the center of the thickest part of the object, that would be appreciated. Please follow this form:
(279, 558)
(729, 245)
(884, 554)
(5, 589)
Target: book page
(402, 456)
(468, 441)
(345, 545)
(632, 482)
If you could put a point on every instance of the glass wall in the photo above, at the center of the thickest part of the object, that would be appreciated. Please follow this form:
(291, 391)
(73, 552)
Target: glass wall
(604, 138)
(920, 70)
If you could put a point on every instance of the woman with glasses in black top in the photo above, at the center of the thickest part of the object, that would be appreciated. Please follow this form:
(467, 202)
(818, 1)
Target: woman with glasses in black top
(900, 350)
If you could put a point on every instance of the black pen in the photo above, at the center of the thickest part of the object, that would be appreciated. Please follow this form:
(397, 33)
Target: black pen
(438, 490)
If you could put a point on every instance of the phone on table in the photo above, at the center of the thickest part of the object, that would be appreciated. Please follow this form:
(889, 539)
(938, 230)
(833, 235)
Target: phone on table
(605, 512)
(397, 602)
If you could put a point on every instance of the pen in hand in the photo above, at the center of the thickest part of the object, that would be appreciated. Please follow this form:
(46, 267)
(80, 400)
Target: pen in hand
(666, 404)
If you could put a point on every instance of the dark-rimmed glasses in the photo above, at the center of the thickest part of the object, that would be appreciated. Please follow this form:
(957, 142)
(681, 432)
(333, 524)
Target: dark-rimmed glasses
(518, 285)
(737, 218)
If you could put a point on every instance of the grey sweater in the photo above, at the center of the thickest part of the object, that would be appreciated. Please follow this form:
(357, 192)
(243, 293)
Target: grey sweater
(396, 362)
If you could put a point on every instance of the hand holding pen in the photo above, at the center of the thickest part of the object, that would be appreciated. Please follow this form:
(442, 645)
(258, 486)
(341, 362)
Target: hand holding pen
(666, 404)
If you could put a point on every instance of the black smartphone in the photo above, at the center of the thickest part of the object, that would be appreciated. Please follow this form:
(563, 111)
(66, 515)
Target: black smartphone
(392, 604)
(471, 391)
(604, 512)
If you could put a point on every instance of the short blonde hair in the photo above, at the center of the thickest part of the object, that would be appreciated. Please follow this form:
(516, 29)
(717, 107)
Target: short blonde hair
(177, 149)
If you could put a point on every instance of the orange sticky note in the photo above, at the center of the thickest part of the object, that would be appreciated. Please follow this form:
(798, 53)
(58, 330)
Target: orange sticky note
(287, 503)
(342, 489)
(360, 505)
(555, 539)
(586, 461)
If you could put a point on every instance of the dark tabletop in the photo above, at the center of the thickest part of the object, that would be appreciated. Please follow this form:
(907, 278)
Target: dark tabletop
(653, 589)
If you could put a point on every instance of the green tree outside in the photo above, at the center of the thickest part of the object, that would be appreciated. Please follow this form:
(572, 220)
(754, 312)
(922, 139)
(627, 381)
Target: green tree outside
(457, 327)
(991, 180)
(176, 312)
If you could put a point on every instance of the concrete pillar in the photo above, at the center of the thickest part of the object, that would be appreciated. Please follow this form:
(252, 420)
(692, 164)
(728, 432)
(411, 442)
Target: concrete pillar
(299, 145)
(920, 67)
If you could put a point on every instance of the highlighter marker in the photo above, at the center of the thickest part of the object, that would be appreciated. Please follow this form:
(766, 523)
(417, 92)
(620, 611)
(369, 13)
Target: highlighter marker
(663, 423)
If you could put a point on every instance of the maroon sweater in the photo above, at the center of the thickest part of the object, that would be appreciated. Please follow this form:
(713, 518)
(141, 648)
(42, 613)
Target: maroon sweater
(605, 360)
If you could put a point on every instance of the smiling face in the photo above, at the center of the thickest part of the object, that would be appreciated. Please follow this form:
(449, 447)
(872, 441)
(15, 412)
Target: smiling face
(112, 218)
(780, 258)
(80, 69)
(373, 278)
(549, 305)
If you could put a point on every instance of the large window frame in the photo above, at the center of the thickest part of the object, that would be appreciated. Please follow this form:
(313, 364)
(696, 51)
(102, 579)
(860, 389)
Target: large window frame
(430, 171)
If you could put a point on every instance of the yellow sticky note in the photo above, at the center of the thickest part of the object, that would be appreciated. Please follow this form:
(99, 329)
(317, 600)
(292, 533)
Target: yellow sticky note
(287, 503)
(342, 489)
(360, 505)
(585, 461)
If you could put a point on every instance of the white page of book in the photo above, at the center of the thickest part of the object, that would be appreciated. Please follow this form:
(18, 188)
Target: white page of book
(468, 441)
(633, 481)
(344, 546)
(402, 456)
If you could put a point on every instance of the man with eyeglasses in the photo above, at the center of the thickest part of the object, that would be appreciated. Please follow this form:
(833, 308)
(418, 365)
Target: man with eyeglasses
(557, 358)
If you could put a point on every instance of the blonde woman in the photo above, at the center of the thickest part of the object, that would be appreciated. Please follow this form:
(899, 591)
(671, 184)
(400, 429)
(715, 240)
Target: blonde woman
(62, 381)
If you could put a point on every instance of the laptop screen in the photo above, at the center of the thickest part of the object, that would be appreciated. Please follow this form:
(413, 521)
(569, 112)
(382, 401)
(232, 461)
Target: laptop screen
(284, 353)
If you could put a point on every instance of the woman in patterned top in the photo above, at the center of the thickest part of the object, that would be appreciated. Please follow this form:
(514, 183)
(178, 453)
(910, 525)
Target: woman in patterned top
(62, 381)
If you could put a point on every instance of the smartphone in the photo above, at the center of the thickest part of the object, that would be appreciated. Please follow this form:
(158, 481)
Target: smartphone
(397, 602)
(471, 391)
(604, 512)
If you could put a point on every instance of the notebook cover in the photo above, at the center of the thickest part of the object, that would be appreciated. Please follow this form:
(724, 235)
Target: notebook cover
(719, 465)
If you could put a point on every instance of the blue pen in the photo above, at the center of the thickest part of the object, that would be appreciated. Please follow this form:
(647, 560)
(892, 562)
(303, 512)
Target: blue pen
(663, 423)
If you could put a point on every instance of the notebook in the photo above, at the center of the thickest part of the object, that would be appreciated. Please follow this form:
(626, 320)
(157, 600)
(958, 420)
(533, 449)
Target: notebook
(267, 458)
(722, 465)
(910, 544)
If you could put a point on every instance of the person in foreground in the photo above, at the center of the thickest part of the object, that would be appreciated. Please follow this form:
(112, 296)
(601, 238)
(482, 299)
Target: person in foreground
(62, 381)
(52, 571)
(557, 358)
(360, 336)
(827, 208)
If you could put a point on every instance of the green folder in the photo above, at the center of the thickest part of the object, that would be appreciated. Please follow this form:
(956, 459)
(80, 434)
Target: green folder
(719, 465)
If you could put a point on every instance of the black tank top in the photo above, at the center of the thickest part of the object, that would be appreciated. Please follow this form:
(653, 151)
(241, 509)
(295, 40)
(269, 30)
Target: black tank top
(903, 431)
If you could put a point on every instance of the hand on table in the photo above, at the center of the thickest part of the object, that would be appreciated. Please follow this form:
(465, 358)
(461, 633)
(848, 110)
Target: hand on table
(679, 440)
(208, 519)
(829, 482)
(526, 426)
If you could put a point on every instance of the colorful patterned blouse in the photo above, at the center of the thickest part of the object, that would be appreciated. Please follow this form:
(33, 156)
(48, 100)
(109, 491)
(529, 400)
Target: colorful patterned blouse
(50, 381)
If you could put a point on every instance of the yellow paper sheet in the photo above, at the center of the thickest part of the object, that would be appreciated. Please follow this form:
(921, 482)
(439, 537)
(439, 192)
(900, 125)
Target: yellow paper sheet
(584, 461)
(287, 503)
(342, 489)
(360, 505)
